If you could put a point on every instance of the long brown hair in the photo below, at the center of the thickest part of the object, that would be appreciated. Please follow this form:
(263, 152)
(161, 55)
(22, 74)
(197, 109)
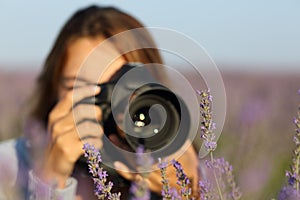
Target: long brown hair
(93, 21)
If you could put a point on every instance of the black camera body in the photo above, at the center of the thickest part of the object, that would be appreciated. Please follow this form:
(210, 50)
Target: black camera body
(135, 105)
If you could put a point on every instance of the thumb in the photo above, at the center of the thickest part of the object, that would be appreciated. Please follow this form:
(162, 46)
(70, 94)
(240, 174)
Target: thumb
(124, 171)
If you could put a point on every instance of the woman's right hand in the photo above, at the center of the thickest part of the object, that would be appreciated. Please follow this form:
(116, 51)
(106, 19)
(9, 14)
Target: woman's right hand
(67, 131)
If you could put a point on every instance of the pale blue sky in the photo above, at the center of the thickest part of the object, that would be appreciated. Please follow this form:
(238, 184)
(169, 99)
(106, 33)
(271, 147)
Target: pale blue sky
(234, 33)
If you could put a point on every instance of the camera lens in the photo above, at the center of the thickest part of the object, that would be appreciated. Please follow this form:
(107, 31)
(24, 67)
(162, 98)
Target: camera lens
(153, 119)
(141, 117)
(149, 115)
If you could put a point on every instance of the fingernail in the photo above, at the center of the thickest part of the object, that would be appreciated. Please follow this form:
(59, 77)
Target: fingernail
(119, 166)
(97, 88)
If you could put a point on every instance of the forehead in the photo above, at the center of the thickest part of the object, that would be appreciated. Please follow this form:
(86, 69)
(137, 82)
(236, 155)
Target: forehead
(77, 51)
(84, 55)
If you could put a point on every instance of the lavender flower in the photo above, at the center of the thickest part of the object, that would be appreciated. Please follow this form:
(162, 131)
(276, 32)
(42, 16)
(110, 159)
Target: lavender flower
(225, 176)
(207, 125)
(143, 160)
(139, 189)
(165, 192)
(287, 193)
(206, 190)
(174, 194)
(114, 196)
(235, 191)
(219, 167)
(102, 190)
(182, 180)
(294, 174)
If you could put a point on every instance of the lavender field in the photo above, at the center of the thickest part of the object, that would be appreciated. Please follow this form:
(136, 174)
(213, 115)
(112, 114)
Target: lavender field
(258, 134)
(15, 88)
(256, 139)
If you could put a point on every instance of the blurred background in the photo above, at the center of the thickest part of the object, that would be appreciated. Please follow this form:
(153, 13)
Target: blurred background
(255, 45)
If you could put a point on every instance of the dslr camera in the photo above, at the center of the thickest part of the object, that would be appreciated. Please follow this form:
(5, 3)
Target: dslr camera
(141, 111)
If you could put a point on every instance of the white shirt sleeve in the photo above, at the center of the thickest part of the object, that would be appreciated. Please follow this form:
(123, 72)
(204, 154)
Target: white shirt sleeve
(42, 191)
(8, 168)
(9, 164)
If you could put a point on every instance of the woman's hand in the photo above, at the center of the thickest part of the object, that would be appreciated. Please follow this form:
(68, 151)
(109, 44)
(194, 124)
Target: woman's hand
(189, 162)
(68, 131)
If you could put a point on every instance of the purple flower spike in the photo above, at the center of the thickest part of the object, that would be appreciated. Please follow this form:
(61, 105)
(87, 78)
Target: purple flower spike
(182, 180)
(206, 190)
(143, 160)
(102, 190)
(293, 188)
(165, 192)
(287, 193)
(139, 189)
(207, 125)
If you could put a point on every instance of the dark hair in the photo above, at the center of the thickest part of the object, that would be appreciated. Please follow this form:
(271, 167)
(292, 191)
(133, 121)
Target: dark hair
(93, 21)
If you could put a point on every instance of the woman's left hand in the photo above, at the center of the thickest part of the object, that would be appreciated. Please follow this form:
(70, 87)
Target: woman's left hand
(189, 162)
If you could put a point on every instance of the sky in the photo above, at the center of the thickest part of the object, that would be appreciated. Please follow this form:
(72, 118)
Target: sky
(236, 34)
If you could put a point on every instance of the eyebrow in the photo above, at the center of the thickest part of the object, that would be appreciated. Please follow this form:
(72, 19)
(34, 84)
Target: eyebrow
(65, 79)
(73, 78)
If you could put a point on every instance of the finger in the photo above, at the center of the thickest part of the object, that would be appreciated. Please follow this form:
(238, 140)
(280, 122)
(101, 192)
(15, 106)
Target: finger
(63, 107)
(89, 129)
(93, 113)
(67, 145)
(153, 180)
(124, 171)
(62, 126)
(86, 111)
(83, 92)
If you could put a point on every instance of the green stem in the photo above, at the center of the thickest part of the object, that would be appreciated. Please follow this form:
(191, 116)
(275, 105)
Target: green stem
(215, 176)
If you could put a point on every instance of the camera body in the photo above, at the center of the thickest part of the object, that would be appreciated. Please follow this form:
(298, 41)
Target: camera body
(141, 110)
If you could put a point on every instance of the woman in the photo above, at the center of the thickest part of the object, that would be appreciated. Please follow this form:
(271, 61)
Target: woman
(47, 156)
